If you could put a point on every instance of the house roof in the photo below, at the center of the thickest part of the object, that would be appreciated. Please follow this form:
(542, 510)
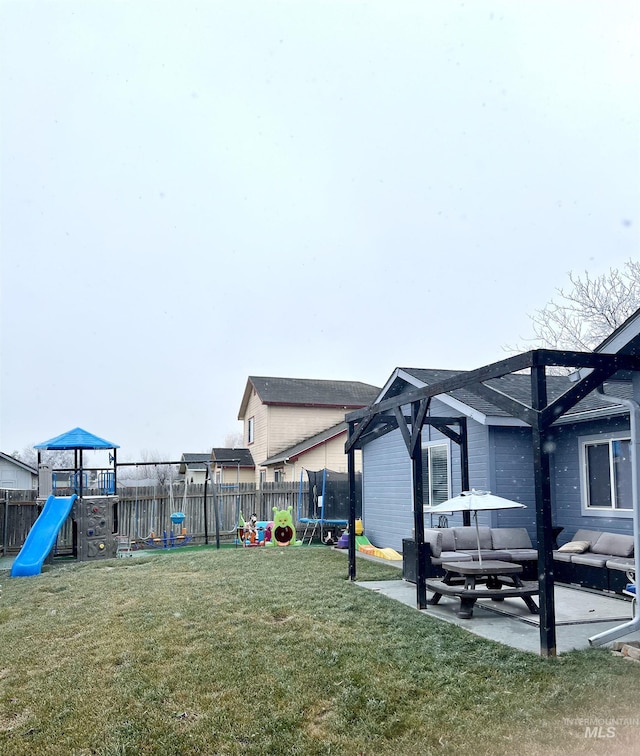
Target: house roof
(195, 459)
(625, 339)
(516, 386)
(193, 462)
(230, 457)
(18, 463)
(222, 457)
(308, 392)
(78, 438)
(293, 452)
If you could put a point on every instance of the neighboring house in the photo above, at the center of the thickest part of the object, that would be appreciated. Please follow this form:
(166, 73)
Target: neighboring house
(292, 424)
(17, 475)
(228, 467)
(232, 466)
(193, 468)
(589, 453)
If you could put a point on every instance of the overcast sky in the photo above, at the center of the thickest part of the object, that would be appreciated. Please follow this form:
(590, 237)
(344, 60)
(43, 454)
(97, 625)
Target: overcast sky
(196, 192)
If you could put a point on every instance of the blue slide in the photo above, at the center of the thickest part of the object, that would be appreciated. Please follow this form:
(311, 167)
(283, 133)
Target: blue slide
(42, 536)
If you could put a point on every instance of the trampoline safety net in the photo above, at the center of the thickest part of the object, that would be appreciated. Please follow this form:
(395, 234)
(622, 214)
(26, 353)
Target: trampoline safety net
(333, 504)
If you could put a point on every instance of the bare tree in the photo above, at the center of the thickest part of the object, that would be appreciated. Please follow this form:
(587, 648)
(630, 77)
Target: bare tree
(234, 440)
(163, 473)
(585, 314)
(28, 455)
(63, 459)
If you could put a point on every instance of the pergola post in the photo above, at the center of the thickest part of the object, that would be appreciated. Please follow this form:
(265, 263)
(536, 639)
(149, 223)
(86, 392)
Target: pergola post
(351, 473)
(544, 529)
(464, 465)
(418, 509)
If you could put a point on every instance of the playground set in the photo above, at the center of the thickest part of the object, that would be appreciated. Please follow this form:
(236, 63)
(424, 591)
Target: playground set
(94, 518)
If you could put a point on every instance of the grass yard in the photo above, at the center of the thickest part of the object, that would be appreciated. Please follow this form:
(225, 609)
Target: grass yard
(273, 651)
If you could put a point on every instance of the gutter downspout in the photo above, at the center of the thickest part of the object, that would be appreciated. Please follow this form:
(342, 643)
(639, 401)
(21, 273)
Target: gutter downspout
(634, 420)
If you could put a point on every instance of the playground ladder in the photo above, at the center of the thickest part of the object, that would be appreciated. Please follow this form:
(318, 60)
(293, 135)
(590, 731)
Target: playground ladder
(124, 546)
(313, 526)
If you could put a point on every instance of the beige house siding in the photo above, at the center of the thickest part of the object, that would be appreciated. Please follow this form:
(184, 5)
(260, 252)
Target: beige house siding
(277, 427)
(289, 425)
(330, 455)
(259, 447)
(232, 475)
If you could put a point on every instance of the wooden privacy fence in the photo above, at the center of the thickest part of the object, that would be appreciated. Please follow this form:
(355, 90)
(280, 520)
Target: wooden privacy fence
(18, 512)
(139, 512)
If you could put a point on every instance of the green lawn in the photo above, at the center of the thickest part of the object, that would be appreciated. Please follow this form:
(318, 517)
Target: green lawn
(273, 651)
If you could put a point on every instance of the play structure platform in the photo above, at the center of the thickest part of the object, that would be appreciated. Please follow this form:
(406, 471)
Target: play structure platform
(93, 536)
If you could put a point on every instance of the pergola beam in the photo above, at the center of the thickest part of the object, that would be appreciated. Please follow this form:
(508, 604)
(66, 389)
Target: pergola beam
(536, 358)
(506, 403)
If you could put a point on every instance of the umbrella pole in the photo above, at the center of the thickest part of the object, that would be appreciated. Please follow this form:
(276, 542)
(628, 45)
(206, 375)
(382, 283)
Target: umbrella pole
(475, 514)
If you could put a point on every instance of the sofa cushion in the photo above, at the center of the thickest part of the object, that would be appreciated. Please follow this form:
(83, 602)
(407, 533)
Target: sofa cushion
(434, 539)
(467, 538)
(587, 535)
(562, 556)
(589, 559)
(575, 547)
(522, 555)
(510, 538)
(614, 544)
(451, 556)
(622, 564)
(501, 555)
(448, 539)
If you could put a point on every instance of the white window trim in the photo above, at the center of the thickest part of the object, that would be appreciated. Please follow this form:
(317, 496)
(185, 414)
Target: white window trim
(251, 430)
(583, 441)
(447, 445)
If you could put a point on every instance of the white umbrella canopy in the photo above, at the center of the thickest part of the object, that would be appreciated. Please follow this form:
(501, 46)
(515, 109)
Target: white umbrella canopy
(474, 501)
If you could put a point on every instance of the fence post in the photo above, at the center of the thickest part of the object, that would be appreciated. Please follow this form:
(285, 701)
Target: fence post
(6, 524)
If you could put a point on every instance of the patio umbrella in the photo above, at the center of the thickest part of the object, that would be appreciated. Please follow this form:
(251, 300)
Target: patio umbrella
(474, 501)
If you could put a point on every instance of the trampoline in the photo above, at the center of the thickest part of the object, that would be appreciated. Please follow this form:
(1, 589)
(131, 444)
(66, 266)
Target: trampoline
(326, 504)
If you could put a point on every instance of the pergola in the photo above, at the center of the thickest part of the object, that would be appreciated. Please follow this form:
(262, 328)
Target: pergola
(409, 412)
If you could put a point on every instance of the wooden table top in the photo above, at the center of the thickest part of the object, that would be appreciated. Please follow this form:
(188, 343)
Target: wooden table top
(488, 567)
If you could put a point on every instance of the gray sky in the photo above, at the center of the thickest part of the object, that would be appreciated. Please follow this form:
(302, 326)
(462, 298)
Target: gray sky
(194, 192)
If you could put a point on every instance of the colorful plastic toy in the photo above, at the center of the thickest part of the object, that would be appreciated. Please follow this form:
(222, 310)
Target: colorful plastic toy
(283, 532)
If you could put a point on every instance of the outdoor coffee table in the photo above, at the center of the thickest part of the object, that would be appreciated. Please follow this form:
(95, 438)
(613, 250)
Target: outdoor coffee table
(492, 579)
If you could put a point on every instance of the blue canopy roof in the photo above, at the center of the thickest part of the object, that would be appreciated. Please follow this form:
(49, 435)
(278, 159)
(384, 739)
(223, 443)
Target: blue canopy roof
(76, 439)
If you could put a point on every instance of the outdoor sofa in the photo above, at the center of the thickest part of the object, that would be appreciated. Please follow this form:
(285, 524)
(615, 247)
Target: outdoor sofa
(460, 544)
(595, 559)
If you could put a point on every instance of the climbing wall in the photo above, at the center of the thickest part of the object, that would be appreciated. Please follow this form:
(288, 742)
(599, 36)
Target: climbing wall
(94, 521)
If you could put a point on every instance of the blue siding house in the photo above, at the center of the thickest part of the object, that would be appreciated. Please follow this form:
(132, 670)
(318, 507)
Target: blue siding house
(589, 451)
(566, 446)
(589, 441)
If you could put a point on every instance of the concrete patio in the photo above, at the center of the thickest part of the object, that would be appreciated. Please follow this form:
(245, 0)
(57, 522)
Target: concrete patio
(580, 614)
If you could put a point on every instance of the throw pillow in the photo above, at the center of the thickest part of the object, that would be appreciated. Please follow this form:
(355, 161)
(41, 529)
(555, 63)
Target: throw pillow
(575, 547)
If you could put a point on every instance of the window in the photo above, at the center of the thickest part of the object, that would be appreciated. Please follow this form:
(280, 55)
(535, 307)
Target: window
(435, 474)
(250, 430)
(606, 468)
(278, 475)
